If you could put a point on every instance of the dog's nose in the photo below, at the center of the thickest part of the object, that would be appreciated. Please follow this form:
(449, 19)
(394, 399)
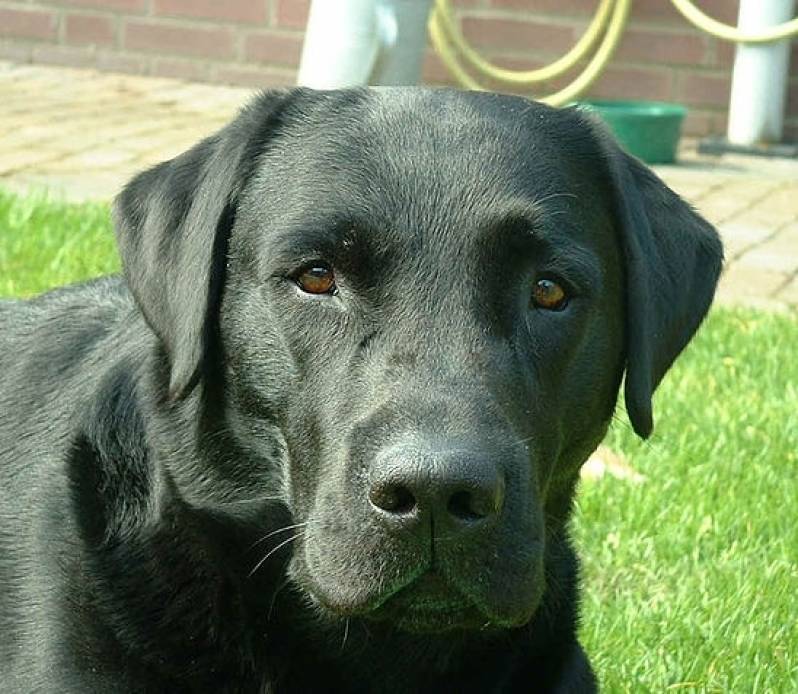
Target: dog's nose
(459, 488)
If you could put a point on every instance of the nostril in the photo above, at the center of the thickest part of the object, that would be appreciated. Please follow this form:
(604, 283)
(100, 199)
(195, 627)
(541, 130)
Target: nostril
(464, 506)
(393, 498)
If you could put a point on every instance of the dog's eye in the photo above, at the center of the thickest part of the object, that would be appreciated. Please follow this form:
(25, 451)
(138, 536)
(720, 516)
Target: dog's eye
(549, 295)
(317, 278)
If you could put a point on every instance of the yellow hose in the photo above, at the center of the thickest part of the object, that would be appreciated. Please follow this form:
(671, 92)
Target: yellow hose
(594, 68)
(442, 24)
(611, 16)
(620, 12)
(729, 33)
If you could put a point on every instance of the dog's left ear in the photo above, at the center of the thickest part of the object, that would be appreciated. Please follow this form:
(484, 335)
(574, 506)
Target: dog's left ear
(172, 226)
(673, 259)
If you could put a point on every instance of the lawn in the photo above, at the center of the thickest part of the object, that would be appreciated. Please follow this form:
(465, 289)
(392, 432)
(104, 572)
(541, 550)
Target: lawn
(46, 243)
(691, 577)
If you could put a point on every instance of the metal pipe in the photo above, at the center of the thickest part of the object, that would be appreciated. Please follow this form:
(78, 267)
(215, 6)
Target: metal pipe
(759, 80)
(359, 42)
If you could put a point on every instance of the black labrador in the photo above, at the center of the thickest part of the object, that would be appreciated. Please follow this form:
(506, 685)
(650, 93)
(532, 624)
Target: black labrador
(324, 435)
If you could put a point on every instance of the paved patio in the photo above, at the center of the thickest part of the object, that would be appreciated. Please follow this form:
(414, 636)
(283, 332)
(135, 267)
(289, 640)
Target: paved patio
(83, 133)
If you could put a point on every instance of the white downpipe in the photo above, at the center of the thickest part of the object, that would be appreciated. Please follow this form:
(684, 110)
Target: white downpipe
(759, 80)
(358, 42)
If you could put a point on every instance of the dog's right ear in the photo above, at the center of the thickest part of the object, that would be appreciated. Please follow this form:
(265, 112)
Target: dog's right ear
(172, 226)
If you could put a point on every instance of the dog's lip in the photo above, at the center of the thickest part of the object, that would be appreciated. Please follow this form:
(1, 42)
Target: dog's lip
(430, 604)
(429, 591)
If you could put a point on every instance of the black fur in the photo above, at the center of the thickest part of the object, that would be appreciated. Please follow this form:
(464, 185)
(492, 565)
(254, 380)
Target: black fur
(187, 453)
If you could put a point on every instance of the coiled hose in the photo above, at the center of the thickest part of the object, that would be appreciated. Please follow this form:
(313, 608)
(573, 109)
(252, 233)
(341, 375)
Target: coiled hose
(610, 19)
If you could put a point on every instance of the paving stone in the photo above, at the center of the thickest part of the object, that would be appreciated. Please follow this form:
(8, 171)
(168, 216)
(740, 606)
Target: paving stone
(719, 208)
(739, 238)
(18, 160)
(783, 200)
(77, 187)
(765, 215)
(789, 294)
(97, 159)
(751, 286)
(770, 256)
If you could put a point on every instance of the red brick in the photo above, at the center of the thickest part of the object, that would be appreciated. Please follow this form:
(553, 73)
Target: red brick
(634, 83)
(724, 53)
(64, 55)
(662, 10)
(17, 52)
(292, 13)
(250, 11)
(570, 7)
(27, 24)
(705, 89)
(112, 61)
(646, 46)
(271, 47)
(156, 37)
(89, 29)
(433, 71)
(699, 123)
(517, 34)
(193, 70)
(249, 77)
(656, 11)
(136, 6)
(721, 10)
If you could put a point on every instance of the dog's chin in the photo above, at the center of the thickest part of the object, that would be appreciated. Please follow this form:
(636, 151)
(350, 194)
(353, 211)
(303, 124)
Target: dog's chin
(428, 604)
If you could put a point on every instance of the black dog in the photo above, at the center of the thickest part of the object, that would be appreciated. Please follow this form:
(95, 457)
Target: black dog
(325, 434)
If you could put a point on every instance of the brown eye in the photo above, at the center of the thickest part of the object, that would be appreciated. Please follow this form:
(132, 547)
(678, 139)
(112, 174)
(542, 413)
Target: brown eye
(317, 279)
(549, 295)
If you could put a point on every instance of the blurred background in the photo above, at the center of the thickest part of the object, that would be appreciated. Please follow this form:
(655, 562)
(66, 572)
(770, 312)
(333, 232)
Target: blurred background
(258, 43)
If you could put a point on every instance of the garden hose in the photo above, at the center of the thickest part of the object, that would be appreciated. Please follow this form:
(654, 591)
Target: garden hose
(610, 18)
(729, 33)
(443, 22)
(446, 37)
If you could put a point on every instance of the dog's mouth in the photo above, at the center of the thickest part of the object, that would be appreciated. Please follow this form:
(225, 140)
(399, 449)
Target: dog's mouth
(430, 604)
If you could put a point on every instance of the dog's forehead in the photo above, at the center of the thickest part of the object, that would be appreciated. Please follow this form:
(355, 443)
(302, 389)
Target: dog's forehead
(424, 161)
(437, 142)
(446, 109)
(473, 130)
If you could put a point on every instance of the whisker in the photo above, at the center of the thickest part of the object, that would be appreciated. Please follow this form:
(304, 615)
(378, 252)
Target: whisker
(346, 633)
(256, 500)
(272, 551)
(274, 598)
(277, 532)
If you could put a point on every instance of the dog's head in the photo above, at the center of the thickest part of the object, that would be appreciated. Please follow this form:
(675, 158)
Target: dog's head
(411, 311)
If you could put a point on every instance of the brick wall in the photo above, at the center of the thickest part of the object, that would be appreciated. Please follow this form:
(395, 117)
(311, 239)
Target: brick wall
(258, 43)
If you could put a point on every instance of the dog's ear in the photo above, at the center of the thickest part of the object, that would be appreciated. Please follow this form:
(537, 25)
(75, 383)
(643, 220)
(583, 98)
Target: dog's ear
(172, 226)
(673, 258)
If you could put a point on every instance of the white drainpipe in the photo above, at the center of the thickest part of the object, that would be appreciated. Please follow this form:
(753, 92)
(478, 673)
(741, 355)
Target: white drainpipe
(359, 42)
(759, 81)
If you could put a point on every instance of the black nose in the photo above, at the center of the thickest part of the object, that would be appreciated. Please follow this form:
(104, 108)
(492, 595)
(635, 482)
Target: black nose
(460, 488)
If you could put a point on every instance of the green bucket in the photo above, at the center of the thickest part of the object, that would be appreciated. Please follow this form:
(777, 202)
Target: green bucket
(648, 129)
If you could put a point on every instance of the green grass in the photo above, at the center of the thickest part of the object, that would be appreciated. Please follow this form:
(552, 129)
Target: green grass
(46, 243)
(691, 578)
